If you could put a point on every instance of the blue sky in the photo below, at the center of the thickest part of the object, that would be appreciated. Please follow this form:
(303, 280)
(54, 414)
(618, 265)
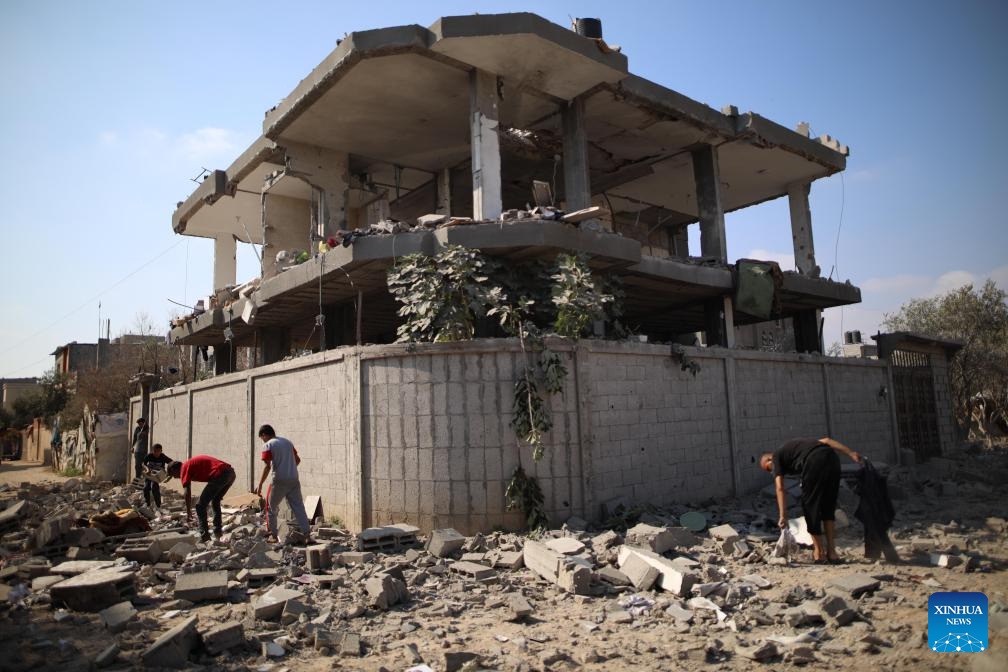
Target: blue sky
(110, 108)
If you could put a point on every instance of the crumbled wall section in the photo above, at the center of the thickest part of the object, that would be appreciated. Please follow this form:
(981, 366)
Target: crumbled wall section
(421, 434)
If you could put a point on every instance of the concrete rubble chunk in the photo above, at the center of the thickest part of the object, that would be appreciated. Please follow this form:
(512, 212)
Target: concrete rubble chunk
(199, 586)
(179, 551)
(355, 557)
(656, 539)
(641, 574)
(679, 612)
(806, 613)
(556, 567)
(605, 540)
(758, 652)
(142, 549)
(612, 576)
(405, 534)
(224, 636)
(292, 610)
(270, 605)
(519, 607)
(722, 532)
(172, 649)
(96, 589)
(565, 545)
(443, 543)
(856, 584)
(507, 559)
(455, 660)
(385, 590)
(479, 572)
(349, 644)
(672, 578)
(118, 616)
(318, 558)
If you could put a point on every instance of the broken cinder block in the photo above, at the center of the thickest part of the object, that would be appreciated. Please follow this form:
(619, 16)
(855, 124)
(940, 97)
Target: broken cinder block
(222, 637)
(558, 568)
(172, 649)
(200, 586)
(443, 543)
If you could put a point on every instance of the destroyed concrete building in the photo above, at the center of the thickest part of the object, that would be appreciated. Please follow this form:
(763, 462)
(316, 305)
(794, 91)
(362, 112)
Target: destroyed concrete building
(409, 139)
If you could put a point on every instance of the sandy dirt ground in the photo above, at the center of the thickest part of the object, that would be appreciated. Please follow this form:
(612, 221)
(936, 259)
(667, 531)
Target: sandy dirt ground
(957, 507)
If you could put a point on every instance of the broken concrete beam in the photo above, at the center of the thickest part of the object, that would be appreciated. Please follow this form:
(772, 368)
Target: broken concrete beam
(478, 572)
(672, 578)
(142, 549)
(318, 558)
(855, 584)
(270, 604)
(95, 590)
(172, 649)
(556, 567)
(442, 543)
(384, 590)
(118, 616)
(222, 637)
(641, 574)
(200, 586)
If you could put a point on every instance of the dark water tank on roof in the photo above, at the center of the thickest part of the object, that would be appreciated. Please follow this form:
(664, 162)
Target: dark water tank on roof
(588, 28)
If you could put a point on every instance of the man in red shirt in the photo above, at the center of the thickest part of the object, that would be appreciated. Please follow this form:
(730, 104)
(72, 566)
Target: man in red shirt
(218, 476)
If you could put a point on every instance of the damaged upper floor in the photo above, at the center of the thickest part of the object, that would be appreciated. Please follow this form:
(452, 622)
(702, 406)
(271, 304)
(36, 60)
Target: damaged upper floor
(461, 119)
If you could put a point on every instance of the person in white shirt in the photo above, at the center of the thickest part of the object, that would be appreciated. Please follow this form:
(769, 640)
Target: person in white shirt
(280, 457)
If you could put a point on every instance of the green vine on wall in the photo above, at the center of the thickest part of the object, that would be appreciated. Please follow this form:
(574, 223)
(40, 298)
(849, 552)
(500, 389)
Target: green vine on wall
(442, 296)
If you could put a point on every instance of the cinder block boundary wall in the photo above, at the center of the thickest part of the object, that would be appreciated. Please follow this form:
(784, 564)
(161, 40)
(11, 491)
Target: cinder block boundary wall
(421, 434)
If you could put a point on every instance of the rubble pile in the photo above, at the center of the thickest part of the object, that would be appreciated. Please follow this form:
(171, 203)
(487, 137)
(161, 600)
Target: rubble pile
(676, 588)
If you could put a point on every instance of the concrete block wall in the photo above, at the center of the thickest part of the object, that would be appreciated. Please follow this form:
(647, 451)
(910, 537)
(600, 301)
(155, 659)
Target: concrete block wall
(438, 448)
(220, 424)
(169, 423)
(659, 434)
(315, 405)
(421, 434)
(860, 398)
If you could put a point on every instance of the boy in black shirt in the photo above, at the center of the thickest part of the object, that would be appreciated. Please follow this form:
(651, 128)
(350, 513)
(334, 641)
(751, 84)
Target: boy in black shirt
(154, 464)
(816, 461)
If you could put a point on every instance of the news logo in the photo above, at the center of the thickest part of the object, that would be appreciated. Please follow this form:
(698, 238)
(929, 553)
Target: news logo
(957, 622)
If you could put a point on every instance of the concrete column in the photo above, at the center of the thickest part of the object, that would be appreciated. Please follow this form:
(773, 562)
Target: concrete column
(286, 222)
(225, 267)
(444, 191)
(707, 176)
(486, 160)
(719, 322)
(577, 183)
(801, 230)
(328, 172)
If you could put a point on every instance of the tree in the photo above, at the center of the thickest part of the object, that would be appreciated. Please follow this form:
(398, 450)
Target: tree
(978, 319)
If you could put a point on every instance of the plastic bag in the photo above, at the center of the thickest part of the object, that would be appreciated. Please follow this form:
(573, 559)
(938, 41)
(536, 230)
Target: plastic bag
(786, 545)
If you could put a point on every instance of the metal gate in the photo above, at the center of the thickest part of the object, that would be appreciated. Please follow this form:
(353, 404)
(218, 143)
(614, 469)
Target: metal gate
(915, 403)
